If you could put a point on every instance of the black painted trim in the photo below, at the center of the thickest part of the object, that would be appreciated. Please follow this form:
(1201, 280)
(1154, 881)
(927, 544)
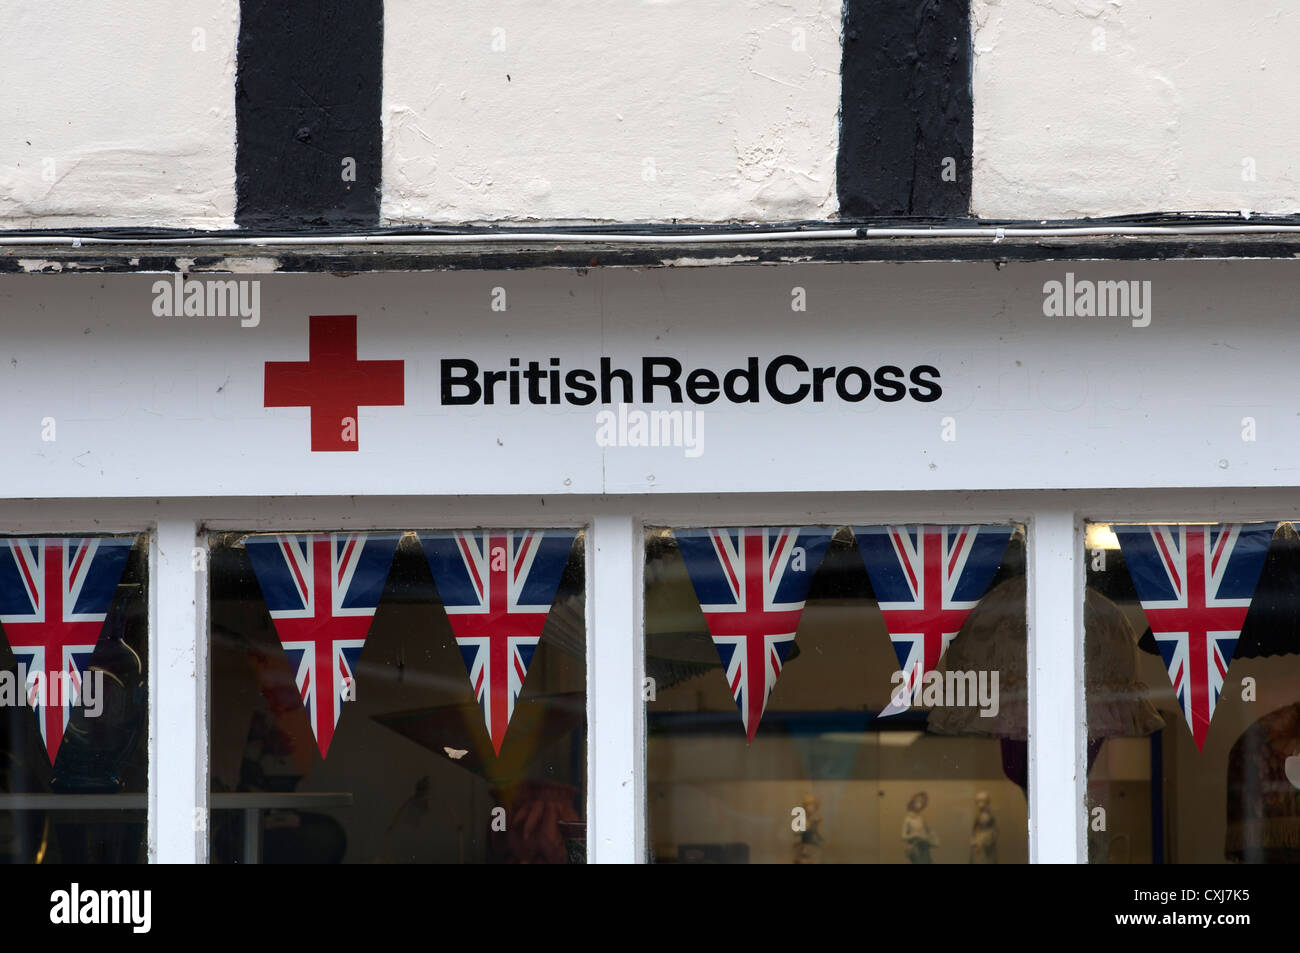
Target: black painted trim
(740, 232)
(344, 260)
(308, 95)
(905, 106)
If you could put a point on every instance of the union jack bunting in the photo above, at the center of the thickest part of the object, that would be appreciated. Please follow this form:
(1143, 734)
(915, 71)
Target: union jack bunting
(1195, 584)
(927, 580)
(497, 587)
(54, 597)
(752, 584)
(322, 590)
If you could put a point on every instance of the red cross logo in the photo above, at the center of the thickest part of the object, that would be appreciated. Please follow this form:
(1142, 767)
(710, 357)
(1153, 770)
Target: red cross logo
(333, 383)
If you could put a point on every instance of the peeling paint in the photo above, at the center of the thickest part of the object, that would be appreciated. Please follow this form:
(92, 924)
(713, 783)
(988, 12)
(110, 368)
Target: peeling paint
(39, 265)
(706, 262)
(245, 265)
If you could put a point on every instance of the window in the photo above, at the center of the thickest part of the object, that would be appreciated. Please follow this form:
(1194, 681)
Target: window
(398, 696)
(73, 699)
(1193, 693)
(836, 694)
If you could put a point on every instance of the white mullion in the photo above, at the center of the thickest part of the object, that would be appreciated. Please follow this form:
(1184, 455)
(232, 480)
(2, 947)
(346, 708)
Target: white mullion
(1057, 758)
(615, 711)
(178, 749)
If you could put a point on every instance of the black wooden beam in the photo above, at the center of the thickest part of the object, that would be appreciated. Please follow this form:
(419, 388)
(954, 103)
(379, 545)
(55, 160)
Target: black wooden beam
(906, 118)
(307, 106)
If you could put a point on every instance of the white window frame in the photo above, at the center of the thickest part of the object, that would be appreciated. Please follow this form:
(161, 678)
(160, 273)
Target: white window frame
(615, 525)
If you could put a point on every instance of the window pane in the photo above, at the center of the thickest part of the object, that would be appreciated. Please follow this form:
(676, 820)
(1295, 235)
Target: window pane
(1193, 691)
(73, 699)
(894, 730)
(452, 722)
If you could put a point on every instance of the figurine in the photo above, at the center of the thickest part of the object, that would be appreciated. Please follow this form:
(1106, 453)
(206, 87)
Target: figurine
(917, 836)
(984, 832)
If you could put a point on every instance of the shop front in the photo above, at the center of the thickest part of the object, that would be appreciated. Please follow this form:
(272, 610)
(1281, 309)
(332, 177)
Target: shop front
(883, 562)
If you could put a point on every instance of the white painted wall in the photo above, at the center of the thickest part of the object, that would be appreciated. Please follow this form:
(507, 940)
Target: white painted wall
(112, 117)
(1103, 107)
(646, 110)
(654, 110)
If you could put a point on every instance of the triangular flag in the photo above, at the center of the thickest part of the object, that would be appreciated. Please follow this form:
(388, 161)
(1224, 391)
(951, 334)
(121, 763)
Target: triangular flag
(927, 580)
(1195, 584)
(752, 584)
(322, 590)
(54, 597)
(497, 587)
